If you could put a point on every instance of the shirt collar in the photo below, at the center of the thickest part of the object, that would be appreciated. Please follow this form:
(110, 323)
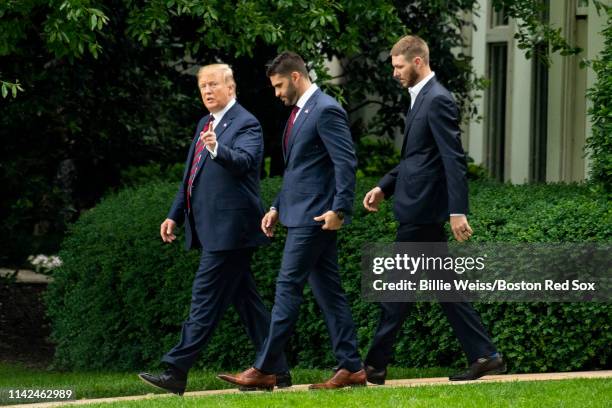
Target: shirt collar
(219, 115)
(414, 91)
(306, 95)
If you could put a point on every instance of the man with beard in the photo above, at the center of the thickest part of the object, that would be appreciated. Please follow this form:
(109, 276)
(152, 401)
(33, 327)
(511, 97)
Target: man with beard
(430, 187)
(219, 202)
(315, 200)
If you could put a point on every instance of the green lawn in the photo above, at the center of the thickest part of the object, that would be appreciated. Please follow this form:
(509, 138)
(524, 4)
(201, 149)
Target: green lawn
(563, 393)
(105, 384)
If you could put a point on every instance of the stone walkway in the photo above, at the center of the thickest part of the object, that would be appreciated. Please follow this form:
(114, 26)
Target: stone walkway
(418, 382)
(26, 276)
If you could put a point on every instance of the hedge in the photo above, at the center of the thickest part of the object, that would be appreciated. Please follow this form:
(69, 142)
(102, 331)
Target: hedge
(120, 298)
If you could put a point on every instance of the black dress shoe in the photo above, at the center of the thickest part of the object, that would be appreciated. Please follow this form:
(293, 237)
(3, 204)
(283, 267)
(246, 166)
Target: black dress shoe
(169, 380)
(376, 376)
(482, 366)
(283, 380)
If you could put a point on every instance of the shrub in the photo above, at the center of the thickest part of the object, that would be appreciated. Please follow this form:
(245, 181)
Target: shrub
(476, 171)
(136, 175)
(376, 155)
(121, 295)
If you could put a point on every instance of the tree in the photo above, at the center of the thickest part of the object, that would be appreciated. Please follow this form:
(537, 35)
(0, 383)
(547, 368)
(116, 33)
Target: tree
(108, 84)
(79, 122)
(599, 143)
(69, 28)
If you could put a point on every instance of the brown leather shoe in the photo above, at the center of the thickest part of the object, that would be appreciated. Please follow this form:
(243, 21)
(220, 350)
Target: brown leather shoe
(252, 378)
(342, 378)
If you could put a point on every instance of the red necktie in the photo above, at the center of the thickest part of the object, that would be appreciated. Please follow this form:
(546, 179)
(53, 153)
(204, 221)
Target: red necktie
(196, 160)
(294, 112)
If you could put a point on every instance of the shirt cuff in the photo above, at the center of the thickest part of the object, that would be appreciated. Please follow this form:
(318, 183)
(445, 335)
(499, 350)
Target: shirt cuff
(213, 153)
(457, 215)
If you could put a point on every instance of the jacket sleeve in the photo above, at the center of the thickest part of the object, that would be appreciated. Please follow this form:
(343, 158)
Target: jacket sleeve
(246, 153)
(443, 118)
(177, 211)
(387, 183)
(333, 129)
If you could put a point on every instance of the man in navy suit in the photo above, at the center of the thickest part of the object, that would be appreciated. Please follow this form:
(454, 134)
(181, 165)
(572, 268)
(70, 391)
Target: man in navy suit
(218, 200)
(316, 198)
(430, 187)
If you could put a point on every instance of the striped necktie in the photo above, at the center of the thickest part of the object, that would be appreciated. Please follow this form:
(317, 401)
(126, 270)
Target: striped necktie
(197, 157)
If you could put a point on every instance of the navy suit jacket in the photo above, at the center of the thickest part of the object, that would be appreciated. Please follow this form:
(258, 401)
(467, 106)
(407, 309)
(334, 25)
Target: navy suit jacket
(225, 199)
(430, 181)
(320, 164)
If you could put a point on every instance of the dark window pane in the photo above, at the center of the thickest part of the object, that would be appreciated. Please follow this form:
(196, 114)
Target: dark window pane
(496, 109)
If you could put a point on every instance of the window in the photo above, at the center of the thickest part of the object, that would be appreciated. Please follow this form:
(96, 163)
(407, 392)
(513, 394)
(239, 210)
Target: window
(499, 18)
(496, 109)
(539, 107)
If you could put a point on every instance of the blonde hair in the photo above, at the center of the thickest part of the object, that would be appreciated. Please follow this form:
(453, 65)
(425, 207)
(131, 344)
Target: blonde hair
(226, 70)
(411, 46)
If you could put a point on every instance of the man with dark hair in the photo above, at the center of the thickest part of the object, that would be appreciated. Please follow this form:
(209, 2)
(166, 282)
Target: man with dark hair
(430, 187)
(286, 63)
(219, 202)
(315, 200)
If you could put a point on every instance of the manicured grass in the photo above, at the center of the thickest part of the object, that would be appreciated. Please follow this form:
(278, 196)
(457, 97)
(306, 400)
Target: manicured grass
(561, 393)
(105, 384)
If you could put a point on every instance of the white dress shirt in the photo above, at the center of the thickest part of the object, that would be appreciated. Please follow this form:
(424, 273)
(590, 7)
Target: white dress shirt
(304, 98)
(414, 91)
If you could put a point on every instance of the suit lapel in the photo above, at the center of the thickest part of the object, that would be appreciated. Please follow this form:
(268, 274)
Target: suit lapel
(302, 117)
(415, 109)
(283, 142)
(219, 130)
(192, 148)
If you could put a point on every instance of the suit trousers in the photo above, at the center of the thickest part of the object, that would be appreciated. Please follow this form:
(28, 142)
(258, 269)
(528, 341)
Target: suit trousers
(464, 320)
(223, 278)
(311, 255)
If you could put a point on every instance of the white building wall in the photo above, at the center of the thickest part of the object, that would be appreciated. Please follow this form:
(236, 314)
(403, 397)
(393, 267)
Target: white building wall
(477, 49)
(566, 105)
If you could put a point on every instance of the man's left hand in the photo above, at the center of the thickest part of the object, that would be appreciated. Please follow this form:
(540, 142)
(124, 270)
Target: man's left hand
(461, 228)
(209, 139)
(332, 221)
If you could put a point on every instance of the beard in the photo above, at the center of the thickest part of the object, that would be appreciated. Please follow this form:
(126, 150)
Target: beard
(413, 77)
(292, 95)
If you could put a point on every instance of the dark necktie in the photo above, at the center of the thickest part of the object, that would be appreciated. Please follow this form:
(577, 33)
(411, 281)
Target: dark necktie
(199, 149)
(294, 112)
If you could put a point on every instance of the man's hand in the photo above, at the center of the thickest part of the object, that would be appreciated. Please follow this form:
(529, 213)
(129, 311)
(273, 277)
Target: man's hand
(373, 198)
(209, 139)
(332, 221)
(268, 222)
(461, 228)
(167, 230)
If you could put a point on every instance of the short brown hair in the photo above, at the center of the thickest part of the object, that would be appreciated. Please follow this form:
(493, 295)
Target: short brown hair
(286, 63)
(411, 46)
